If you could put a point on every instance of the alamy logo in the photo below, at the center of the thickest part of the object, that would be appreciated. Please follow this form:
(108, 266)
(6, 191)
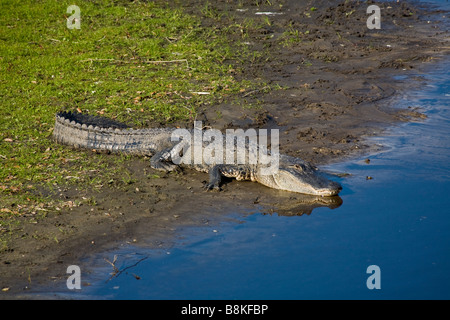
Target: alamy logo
(74, 22)
(374, 20)
(74, 280)
(239, 147)
(374, 280)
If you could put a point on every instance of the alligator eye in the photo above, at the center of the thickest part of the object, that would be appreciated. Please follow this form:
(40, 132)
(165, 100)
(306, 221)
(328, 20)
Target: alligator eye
(298, 167)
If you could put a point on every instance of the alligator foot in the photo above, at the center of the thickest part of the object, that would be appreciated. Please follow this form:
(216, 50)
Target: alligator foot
(165, 166)
(208, 186)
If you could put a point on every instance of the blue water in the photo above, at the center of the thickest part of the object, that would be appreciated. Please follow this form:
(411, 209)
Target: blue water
(399, 220)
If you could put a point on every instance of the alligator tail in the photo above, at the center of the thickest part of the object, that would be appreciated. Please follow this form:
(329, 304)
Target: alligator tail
(100, 133)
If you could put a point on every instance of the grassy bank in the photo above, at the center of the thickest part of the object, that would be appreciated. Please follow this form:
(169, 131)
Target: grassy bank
(138, 62)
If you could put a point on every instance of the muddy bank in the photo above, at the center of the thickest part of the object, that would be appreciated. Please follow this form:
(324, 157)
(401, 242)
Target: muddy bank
(335, 73)
(336, 87)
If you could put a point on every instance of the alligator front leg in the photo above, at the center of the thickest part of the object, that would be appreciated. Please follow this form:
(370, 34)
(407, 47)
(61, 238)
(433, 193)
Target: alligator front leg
(215, 177)
(226, 170)
(162, 161)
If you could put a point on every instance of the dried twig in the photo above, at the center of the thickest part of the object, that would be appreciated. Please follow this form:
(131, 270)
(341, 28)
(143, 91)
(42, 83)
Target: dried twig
(92, 60)
(255, 91)
(142, 61)
(117, 272)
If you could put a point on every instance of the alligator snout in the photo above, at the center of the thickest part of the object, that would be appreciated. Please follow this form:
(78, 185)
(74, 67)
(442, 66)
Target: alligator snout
(332, 189)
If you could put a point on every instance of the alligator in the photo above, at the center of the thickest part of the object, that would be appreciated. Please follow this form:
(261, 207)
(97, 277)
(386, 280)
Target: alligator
(81, 130)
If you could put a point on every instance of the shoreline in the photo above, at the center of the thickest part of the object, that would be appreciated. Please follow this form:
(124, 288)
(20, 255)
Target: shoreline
(333, 97)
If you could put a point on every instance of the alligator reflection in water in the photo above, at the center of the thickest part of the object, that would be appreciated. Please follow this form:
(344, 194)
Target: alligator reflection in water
(298, 205)
(281, 204)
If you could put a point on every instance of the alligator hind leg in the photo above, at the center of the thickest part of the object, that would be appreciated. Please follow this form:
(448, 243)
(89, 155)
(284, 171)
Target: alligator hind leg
(162, 161)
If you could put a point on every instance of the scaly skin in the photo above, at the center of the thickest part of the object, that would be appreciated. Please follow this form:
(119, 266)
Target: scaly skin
(292, 174)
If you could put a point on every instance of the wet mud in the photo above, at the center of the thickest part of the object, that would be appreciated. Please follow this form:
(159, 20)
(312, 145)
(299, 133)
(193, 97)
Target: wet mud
(335, 89)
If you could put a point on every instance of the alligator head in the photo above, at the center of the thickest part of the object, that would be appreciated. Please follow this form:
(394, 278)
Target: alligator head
(296, 175)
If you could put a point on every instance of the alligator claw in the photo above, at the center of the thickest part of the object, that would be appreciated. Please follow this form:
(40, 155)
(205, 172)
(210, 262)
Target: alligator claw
(164, 166)
(211, 186)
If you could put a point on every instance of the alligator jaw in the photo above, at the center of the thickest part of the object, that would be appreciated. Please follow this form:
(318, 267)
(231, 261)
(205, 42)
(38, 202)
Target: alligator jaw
(305, 186)
(330, 191)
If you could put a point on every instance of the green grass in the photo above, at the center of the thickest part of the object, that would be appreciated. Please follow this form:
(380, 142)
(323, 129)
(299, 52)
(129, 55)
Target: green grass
(292, 36)
(137, 62)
